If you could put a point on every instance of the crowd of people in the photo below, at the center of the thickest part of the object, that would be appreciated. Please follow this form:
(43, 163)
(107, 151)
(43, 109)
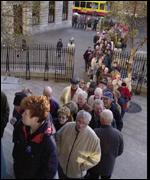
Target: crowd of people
(79, 136)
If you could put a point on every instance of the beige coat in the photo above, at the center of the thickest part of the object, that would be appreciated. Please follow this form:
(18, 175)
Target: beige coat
(77, 153)
(66, 95)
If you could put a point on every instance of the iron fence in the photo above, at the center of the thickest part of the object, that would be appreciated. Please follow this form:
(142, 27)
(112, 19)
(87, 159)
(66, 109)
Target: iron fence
(139, 68)
(41, 59)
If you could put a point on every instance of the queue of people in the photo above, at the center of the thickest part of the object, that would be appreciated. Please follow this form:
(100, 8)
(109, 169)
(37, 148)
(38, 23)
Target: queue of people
(65, 140)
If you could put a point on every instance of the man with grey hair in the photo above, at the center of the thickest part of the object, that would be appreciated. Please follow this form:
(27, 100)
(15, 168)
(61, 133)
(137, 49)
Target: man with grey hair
(97, 95)
(82, 102)
(54, 106)
(111, 145)
(78, 147)
(98, 107)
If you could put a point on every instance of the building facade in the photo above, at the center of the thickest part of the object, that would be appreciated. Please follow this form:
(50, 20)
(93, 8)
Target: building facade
(31, 17)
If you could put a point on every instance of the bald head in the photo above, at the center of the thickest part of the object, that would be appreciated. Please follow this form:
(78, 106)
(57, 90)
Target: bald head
(47, 91)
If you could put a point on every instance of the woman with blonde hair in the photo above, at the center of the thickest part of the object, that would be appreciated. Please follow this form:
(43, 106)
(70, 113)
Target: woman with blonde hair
(64, 116)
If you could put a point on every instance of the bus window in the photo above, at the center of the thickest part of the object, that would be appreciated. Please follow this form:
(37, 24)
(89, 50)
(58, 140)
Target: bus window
(101, 6)
(95, 5)
(82, 4)
(76, 3)
(89, 5)
(107, 6)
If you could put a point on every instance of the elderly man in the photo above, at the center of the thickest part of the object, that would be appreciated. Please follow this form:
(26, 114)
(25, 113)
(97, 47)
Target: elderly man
(111, 145)
(71, 92)
(110, 104)
(98, 107)
(82, 102)
(97, 95)
(78, 147)
(54, 106)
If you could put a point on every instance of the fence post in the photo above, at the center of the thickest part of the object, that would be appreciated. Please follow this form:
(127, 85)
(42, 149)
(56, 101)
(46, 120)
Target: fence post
(46, 66)
(140, 80)
(27, 65)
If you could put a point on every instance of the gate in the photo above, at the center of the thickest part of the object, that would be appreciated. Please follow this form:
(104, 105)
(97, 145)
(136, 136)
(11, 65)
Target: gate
(139, 68)
(38, 60)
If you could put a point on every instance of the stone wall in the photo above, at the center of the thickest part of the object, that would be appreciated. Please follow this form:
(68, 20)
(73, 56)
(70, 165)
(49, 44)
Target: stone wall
(44, 25)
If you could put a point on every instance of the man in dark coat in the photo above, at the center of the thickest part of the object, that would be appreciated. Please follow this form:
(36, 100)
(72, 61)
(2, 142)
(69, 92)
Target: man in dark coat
(4, 120)
(88, 57)
(4, 112)
(110, 104)
(111, 141)
(59, 47)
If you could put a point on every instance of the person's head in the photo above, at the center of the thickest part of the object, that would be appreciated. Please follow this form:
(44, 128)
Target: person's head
(98, 93)
(60, 39)
(124, 84)
(47, 92)
(63, 114)
(74, 83)
(36, 110)
(98, 106)
(19, 96)
(82, 83)
(106, 117)
(73, 107)
(82, 120)
(82, 98)
(106, 70)
(27, 91)
(103, 83)
(107, 98)
(89, 48)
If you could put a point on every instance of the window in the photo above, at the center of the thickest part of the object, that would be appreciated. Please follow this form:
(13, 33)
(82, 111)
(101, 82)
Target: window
(107, 6)
(65, 11)
(95, 5)
(51, 14)
(101, 6)
(89, 5)
(77, 4)
(35, 12)
(83, 4)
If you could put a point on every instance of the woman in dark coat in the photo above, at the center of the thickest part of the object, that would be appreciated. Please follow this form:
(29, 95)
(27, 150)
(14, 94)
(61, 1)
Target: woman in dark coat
(34, 151)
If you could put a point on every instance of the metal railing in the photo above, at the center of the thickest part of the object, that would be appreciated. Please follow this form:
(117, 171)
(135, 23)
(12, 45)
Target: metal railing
(139, 68)
(41, 59)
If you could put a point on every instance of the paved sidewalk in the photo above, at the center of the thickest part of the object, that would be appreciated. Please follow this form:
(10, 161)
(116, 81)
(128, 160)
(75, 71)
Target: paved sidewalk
(132, 164)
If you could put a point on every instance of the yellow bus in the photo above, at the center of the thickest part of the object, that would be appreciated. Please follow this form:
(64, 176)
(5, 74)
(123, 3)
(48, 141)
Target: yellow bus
(96, 8)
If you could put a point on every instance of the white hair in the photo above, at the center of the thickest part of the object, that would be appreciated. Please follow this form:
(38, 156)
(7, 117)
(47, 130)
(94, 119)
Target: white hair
(83, 94)
(107, 116)
(85, 115)
(47, 91)
(98, 102)
(98, 90)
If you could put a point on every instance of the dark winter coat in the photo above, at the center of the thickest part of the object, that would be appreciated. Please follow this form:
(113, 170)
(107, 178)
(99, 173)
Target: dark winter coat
(117, 116)
(54, 106)
(4, 112)
(34, 154)
(111, 141)
(95, 121)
